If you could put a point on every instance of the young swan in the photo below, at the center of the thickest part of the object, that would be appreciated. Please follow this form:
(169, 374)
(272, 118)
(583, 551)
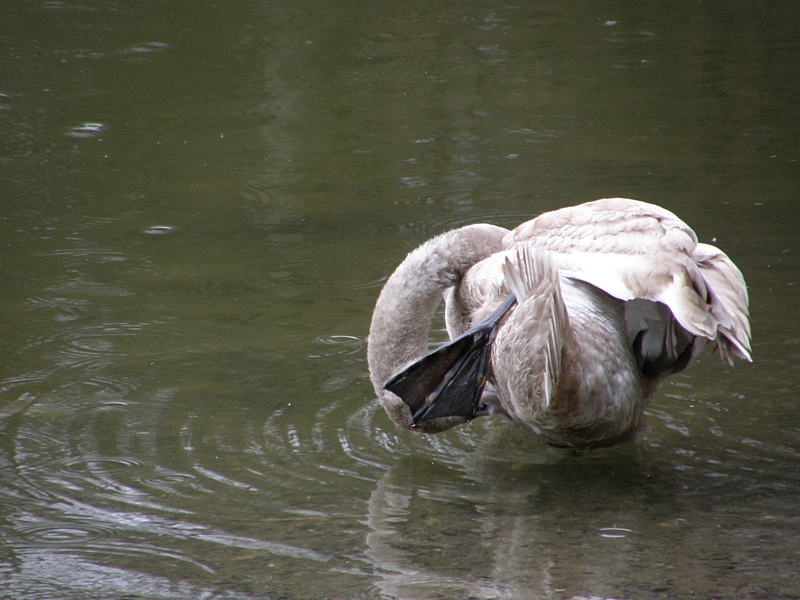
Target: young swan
(566, 325)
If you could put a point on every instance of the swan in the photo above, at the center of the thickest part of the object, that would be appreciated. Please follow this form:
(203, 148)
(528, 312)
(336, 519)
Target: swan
(566, 325)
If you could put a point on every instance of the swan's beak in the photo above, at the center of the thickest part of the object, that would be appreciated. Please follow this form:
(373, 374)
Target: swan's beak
(449, 381)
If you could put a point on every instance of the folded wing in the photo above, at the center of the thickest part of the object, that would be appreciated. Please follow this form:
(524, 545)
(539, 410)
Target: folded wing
(634, 250)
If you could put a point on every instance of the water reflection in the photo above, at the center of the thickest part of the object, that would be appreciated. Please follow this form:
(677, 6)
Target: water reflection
(624, 522)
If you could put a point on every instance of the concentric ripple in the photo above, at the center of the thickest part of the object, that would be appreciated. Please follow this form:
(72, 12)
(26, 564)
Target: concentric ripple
(60, 534)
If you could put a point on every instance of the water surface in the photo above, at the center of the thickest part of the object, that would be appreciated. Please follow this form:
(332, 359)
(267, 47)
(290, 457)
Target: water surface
(199, 203)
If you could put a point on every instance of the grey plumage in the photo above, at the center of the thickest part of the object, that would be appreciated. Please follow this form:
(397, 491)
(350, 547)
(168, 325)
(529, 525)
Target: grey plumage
(613, 296)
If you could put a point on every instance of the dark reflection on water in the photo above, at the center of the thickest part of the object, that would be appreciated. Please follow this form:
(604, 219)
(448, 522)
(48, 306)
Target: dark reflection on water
(199, 206)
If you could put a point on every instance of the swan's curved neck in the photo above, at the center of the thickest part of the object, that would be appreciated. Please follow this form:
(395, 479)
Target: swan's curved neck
(399, 331)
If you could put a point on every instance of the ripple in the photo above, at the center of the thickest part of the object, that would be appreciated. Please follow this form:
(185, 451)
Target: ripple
(413, 182)
(86, 130)
(614, 532)
(160, 230)
(371, 441)
(95, 464)
(120, 386)
(145, 48)
(10, 383)
(219, 478)
(79, 346)
(333, 432)
(66, 309)
(55, 534)
(340, 345)
(166, 481)
(263, 545)
(100, 255)
(374, 284)
(76, 472)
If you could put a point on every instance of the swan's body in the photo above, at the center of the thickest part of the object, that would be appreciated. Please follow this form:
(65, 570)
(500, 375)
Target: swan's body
(612, 296)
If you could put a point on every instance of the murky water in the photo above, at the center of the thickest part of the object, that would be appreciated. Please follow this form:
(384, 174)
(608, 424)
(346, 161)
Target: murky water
(199, 204)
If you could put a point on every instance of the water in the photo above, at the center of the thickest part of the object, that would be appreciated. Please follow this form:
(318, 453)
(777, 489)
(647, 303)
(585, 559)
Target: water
(200, 203)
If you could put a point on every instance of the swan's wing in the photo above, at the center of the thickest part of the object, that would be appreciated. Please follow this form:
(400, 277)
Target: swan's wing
(632, 249)
(527, 363)
(627, 248)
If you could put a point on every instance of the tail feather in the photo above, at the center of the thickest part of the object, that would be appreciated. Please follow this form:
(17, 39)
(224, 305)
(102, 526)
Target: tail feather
(729, 302)
(708, 297)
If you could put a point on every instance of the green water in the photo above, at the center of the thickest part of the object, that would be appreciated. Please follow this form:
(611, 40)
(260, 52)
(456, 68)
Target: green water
(199, 202)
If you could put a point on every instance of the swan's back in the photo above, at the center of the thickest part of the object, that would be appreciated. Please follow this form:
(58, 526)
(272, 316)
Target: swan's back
(634, 250)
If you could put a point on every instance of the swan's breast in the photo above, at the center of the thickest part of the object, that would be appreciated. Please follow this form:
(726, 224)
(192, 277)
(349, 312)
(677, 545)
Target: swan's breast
(599, 386)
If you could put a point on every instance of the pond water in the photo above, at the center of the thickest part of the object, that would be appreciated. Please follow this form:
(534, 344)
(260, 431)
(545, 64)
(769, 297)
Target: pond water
(199, 204)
